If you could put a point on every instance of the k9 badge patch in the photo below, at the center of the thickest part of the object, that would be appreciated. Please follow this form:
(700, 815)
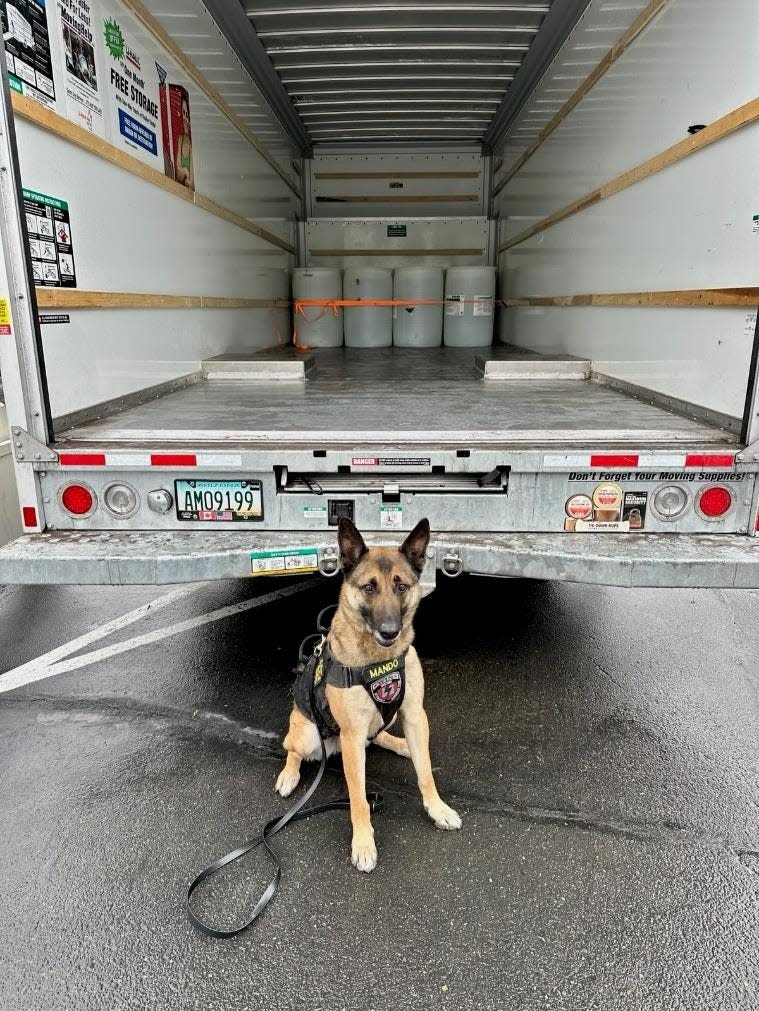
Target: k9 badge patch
(387, 688)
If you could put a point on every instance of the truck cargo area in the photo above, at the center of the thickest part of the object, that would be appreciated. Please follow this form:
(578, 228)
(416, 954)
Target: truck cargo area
(490, 265)
(397, 395)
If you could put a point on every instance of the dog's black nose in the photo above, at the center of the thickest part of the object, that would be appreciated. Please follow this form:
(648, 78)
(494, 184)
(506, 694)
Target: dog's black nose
(389, 630)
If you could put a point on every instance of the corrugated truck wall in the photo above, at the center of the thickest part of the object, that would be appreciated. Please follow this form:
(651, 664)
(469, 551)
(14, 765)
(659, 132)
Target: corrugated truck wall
(169, 190)
(391, 209)
(609, 193)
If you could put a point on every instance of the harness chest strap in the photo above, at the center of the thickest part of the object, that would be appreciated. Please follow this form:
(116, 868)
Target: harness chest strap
(385, 683)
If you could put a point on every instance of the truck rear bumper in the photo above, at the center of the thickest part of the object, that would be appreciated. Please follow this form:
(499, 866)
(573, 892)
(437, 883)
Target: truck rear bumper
(719, 560)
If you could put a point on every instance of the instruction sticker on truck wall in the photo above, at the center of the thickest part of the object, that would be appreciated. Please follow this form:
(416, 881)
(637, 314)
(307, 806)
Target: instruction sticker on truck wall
(285, 562)
(50, 243)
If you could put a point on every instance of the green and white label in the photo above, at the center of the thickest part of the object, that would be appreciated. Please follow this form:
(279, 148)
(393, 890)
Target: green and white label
(283, 562)
(314, 512)
(391, 517)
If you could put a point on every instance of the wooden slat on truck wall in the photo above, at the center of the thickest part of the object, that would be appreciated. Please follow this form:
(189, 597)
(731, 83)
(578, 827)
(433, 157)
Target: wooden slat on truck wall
(78, 298)
(722, 127)
(64, 128)
(684, 298)
(642, 21)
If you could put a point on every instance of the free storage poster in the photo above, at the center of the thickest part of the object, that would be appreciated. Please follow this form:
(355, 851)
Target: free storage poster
(132, 87)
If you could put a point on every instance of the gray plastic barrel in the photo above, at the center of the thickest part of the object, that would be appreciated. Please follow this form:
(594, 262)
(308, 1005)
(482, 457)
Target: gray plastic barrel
(270, 325)
(316, 326)
(370, 327)
(418, 326)
(469, 306)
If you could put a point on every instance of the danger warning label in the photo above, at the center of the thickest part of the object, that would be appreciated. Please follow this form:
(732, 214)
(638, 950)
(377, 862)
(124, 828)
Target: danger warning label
(391, 461)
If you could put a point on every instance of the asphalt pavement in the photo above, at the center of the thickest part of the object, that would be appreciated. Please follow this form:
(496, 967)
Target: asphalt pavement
(601, 744)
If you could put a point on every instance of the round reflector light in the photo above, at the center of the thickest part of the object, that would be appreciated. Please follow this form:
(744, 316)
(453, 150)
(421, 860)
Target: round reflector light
(714, 501)
(78, 500)
(670, 502)
(120, 500)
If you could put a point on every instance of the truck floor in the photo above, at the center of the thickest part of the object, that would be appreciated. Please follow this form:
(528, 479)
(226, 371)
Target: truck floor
(389, 394)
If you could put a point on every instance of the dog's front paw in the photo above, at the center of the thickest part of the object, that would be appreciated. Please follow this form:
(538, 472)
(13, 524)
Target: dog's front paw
(444, 816)
(364, 854)
(286, 782)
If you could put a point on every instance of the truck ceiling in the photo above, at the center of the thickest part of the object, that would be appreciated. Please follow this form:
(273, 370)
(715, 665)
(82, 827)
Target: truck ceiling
(403, 73)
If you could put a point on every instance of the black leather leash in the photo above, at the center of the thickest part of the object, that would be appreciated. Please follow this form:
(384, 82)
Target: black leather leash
(297, 812)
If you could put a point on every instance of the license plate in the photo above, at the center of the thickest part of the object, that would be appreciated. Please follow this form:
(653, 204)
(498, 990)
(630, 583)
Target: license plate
(219, 501)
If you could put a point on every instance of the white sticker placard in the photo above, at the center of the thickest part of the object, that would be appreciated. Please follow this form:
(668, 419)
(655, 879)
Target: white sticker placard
(749, 324)
(314, 512)
(454, 305)
(599, 526)
(391, 517)
(483, 305)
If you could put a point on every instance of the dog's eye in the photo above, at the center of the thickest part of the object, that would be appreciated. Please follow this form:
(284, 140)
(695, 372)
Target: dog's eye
(402, 587)
(369, 588)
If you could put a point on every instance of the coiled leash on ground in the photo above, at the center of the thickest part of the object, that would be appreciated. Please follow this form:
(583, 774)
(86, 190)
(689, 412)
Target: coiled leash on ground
(296, 813)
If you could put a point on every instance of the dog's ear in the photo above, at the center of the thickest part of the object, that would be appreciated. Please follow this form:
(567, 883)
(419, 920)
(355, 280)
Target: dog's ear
(414, 548)
(352, 547)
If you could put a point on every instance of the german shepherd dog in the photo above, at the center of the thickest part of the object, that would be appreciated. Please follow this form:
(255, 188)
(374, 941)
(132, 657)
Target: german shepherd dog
(378, 599)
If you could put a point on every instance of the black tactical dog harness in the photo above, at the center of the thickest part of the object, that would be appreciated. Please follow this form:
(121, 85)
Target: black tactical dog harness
(384, 681)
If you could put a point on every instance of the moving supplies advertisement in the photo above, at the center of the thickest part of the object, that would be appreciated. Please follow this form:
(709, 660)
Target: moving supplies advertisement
(83, 102)
(27, 47)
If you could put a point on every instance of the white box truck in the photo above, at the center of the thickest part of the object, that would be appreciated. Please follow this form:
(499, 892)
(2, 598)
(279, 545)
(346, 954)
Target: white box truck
(164, 167)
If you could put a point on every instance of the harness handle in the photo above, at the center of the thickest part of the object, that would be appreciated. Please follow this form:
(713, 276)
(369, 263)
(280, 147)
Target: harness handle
(320, 624)
(303, 652)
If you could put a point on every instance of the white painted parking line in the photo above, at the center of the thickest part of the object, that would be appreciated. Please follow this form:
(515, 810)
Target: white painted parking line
(101, 631)
(29, 673)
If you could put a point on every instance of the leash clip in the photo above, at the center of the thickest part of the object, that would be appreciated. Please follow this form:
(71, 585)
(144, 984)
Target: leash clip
(376, 802)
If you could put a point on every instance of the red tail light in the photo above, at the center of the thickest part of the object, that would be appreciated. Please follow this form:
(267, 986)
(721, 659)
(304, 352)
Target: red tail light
(714, 501)
(29, 516)
(77, 499)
